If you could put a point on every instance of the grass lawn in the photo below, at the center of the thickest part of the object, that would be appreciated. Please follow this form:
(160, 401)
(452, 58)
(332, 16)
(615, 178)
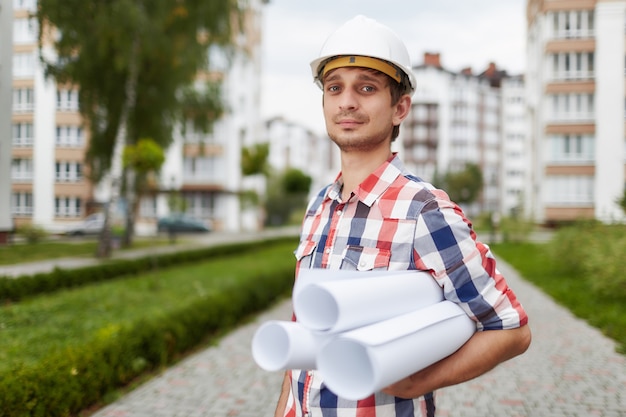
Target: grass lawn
(30, 330)
(533, 262)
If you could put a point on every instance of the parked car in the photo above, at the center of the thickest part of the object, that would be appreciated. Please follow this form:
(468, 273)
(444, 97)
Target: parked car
(92, 225)
(181, 223)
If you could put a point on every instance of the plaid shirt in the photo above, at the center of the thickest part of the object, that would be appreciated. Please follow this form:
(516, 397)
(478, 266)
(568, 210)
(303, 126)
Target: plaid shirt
(395, 221)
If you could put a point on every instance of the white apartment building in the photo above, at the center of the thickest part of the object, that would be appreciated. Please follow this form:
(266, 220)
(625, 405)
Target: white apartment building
(295, 146)
(456, 119)
(49, 187)
(6, 53)
(515, 146)
(576, 101)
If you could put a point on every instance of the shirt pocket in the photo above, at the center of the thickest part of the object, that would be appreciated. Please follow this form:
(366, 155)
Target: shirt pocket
(364, 258)
(304, 253)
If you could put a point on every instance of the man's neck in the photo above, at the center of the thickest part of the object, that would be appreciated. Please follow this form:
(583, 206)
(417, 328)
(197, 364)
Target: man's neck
(357, 166)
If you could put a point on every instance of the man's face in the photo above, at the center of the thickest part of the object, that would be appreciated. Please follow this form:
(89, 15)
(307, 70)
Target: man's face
(357, 109)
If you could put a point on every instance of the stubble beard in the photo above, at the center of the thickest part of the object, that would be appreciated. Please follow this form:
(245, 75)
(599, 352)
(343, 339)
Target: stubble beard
(350, 141)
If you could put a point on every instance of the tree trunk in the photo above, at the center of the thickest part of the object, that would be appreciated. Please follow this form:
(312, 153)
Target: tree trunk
(105, 242)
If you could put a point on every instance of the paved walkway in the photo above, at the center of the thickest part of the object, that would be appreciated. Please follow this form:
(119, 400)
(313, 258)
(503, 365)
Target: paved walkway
(570, 370)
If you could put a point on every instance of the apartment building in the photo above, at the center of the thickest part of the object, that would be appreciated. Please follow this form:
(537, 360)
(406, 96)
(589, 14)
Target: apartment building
(295, 146)
(456, 118)
(6, 53)
(49, 186)
(515, 149)
(575, 93)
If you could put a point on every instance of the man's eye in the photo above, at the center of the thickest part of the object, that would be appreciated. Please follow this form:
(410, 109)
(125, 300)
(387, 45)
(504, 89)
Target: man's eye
(368, 88)
(333, 88)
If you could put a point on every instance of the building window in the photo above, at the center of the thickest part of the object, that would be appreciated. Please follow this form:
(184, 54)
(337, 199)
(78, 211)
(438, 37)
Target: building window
(67, 100)
(148, 207)
(68, 172)
(25, 4)
(22, 204)
(200, 204)
(23, 100)
(572, 66)
(572, 24)
(25, 30)
(67, 206)
(23, 134)
(569, 190)
(22, 170)
(568, 149)
(69, 136)
(206, 168)
(572, 107)
(23, 64)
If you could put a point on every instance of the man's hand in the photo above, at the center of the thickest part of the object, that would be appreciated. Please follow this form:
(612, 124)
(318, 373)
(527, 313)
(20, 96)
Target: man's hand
(481, 353)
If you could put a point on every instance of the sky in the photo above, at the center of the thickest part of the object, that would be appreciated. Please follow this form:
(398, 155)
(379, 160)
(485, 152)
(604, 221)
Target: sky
(467, 33)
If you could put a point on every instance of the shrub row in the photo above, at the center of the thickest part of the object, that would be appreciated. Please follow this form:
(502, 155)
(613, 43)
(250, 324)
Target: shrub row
(15, 289)
(66, 382)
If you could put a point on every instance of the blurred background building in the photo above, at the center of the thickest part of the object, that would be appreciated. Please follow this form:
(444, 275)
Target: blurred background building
(550, 142)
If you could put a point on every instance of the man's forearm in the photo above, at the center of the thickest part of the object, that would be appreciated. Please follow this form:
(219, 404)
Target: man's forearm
(284, 395)
(484, 351)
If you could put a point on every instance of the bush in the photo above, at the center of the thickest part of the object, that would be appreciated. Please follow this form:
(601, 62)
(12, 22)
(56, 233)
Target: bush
(69, 379)
(594, 251)
(12, 289)
(32, 233)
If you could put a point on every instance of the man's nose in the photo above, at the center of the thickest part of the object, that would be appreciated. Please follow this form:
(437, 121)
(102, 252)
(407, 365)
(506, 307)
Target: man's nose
(347, 100)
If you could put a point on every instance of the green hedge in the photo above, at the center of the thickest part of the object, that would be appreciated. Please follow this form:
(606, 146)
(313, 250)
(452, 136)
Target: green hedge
(14, 289)
(68, 381)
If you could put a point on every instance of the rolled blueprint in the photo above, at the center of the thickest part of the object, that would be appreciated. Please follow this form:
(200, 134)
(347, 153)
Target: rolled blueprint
(345, 304)
(280, 345)
(357, 363)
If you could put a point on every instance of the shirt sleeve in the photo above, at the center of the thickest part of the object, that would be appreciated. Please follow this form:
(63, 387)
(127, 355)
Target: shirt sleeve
(445, 244)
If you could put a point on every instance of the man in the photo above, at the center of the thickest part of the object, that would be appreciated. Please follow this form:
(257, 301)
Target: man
(376, 215)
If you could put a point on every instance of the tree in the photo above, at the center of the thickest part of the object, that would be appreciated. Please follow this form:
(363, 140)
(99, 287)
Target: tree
(142, 160)
(621, 201)
(464, 186)
(287, 193)
(254, 159)
(135, 63)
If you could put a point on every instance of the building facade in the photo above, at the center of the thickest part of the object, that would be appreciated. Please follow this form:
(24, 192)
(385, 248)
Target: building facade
(456, 119)
(576, 102)
(49, 185)
(6, 53)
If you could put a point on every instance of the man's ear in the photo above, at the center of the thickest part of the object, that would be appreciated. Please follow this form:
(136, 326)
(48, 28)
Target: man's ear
(403, 107)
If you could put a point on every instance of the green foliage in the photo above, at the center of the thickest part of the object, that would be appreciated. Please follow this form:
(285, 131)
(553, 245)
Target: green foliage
(144, 157)
(621, 201)
(96, 46)
(12, 289)
(32, 233)
(254, 159)
(595, 250)
(464, 186)
(287, 195)
(295, 181)
(564, 277)
(70, 348)
(515, 229)
(176, 203)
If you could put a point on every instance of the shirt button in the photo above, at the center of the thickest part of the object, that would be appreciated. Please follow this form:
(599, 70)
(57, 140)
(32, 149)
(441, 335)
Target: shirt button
(327, 250)
(339, 212)
(362, 263)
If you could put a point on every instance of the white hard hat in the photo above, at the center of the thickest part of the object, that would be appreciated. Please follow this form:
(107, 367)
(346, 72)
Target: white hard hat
(363, 42)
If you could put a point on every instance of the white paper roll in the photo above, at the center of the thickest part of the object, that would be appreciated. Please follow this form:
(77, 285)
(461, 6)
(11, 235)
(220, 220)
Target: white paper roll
(280, 345)
(340, 305)
(357, 363)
